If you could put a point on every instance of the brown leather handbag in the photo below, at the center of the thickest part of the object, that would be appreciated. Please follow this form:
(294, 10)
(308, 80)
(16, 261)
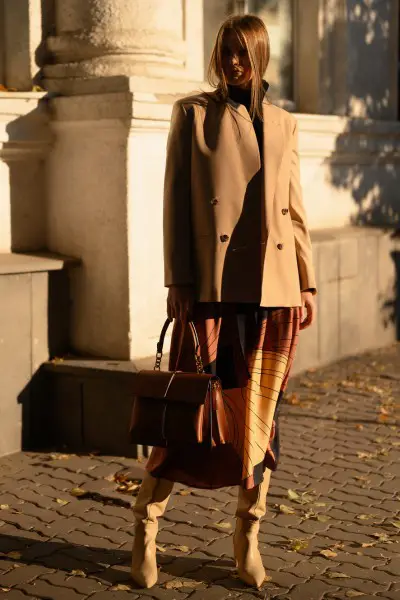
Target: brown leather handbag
(175, 407)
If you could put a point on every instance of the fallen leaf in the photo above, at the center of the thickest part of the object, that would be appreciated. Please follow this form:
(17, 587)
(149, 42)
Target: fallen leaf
(4, 589)
(14, 555)
(339, 545)
(4, 506)
(366, 455)
(191, 584)
(121, 588)
(60, 456)
(320, 503)
(396, 524)
(368, 544)
(298, 544)
(174, 584)
(185, 492)
(286, 510)
(354, 594)
(78, 492)
(160, 548)
(323, 518)
(382, 537)
(337, 575)
(37, 88)
(365, 517)
(184, 549)
(382, 418)
(292, 495)
(62, 502)
(78, 573)
(359, 427)
(223, 525)
(328, 553)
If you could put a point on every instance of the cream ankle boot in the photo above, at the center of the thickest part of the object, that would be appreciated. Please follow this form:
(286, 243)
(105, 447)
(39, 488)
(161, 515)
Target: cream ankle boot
(252, 505)
(151, 503)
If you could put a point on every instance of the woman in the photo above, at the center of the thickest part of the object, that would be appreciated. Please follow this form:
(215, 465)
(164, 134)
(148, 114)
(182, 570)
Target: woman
(238, 262)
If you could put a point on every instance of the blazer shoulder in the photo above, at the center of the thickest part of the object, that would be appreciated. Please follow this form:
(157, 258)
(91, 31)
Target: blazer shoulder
(201, 99)
(287, 118)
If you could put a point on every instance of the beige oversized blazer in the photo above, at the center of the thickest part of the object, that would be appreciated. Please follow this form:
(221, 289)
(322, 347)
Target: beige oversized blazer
(234, 230)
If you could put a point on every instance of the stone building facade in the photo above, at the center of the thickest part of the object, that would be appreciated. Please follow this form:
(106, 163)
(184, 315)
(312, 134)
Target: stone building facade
(87, 90)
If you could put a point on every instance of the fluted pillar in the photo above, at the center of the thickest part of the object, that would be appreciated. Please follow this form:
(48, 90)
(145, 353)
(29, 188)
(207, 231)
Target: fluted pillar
(108, 38)
(116, 67)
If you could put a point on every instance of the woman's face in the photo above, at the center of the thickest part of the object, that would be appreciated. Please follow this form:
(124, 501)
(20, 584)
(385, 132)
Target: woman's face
(235, 60)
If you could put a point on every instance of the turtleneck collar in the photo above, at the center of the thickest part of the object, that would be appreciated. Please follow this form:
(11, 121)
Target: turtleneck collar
(237, 95)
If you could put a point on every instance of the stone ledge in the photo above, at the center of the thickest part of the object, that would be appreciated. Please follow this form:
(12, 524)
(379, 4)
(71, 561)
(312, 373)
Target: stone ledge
(15, 263)
(336, 233)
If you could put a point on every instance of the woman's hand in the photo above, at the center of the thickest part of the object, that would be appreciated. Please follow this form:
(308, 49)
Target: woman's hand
(307, 301)
(180, 302)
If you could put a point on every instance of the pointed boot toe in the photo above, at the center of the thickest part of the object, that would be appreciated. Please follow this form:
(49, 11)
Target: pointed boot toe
(144, 562)
(248, 558)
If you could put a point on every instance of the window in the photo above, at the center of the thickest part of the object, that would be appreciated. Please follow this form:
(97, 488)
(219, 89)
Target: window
(278, 17)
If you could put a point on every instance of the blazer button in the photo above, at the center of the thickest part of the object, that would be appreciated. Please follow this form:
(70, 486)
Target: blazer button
(279, 246)
(214, 201)
(224, 238)
(284, 211)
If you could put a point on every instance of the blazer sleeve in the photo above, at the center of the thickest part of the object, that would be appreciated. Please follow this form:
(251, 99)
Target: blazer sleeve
(299, 220)
(178, 253)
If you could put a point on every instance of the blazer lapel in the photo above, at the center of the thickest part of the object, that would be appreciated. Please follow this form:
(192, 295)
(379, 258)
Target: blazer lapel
(273, 153)
(246, 140)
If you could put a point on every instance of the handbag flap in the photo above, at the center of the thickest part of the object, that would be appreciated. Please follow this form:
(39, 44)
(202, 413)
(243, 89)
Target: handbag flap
(174, 386)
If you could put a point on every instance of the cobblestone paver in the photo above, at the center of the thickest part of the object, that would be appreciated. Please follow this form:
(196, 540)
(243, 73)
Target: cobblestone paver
(332, 530)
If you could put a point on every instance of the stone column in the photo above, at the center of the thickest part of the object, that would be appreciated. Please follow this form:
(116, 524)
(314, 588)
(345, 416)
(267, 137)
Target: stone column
(99, 39)
(117, 67)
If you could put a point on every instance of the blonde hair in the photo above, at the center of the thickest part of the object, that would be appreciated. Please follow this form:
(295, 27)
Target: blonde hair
(253, 35)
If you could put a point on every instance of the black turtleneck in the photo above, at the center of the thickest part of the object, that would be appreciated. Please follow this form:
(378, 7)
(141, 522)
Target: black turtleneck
(243, 96)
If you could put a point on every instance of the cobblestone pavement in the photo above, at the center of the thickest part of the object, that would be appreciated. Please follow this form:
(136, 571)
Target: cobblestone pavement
(335, 534)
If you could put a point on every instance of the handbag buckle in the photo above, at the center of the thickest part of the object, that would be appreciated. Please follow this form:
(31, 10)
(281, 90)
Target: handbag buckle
(157, 366)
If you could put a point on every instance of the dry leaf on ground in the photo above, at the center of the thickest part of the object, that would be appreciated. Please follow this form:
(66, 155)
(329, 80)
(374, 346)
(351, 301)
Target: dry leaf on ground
(14, 555)
(292, 495)
(78, 492)
(78, 573)
(298, 544)
(368, 544)
(185, 492)
(337, 575)
(174, 584)
(61, 456)
(184, 549)
(62, 502)
(4, 506)
(396, 524)
(353, 594)
(121, 588)
(286, 510)
(328, 553)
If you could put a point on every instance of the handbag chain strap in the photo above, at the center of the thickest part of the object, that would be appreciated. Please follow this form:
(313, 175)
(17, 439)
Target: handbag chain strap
(197, 354)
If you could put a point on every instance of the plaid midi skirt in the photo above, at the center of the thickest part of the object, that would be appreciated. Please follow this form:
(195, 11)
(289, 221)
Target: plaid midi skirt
(251, 350)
